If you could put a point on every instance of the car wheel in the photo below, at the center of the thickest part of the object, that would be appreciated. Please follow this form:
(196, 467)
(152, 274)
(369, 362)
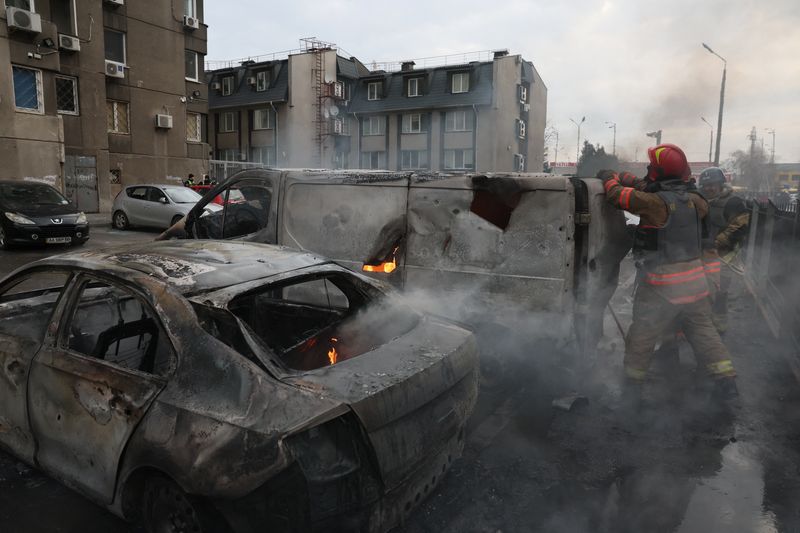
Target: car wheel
(121, 220)
(175, 220)
(168, 509)
(4, 245)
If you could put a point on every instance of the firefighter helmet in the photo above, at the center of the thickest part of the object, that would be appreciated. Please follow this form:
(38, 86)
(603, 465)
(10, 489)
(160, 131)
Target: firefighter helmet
(712, 176)
(667, 161)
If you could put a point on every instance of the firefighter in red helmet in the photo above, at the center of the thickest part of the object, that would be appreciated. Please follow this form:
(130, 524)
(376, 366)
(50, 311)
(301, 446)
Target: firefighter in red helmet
(672, 285)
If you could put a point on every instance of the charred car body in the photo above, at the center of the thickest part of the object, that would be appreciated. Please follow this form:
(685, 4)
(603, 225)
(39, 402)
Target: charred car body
(201, 386)
(530, 252)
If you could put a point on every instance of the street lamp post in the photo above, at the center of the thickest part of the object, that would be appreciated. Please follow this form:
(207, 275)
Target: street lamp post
(656, 135)
(614, 146)
(771, 131)
(578, 148)
(721, 101)
(710, 137)
(555, 161)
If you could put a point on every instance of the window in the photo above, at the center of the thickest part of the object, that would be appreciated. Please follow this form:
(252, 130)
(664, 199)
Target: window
(458, 121)
(262, 154)
(227, 122)
(156, 195)
(412, 123)
(228, 154)
(374, 125)
(411, 159)
(190, 8)
(523, 94)
(373, 90)
(795, 177)
(191, 63)
(26, 306)
(262, 80)
(460, 82)
(340, 159)
(519, 162)
(458, 159)
(115, 46)
(28, 90)
(62, 14)
(27, 5)
(521, 128)
(262, 119)
(117, 116)
(194, 127)
(373, 160)
(113, 324)
(227, 85)
(67, 95)
(414, 87)
(137, 193)
(247, 209)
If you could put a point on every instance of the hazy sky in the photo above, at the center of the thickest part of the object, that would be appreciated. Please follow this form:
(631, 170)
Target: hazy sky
(638, 63)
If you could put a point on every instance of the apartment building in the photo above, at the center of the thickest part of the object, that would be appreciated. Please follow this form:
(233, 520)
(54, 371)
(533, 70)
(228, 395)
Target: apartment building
(319, 109)
(98, 94)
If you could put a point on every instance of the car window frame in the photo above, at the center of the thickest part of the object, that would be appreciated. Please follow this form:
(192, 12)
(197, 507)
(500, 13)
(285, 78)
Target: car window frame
(56, 314)
(152, 191)
(133, 188)
(61, 341)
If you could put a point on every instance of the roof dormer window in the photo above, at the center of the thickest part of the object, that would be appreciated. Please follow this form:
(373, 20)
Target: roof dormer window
(459, 82)
(374, 90)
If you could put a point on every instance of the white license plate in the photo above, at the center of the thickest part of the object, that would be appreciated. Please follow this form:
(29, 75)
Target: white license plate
(58, 240)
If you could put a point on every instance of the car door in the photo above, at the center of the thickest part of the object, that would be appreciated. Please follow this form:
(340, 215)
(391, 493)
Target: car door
(27, 304)
(161, 211)
(136, 205)
(89, 389)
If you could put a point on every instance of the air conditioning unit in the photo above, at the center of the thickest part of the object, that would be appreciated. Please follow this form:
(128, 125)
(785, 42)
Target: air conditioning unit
(526, 107)
(216, 86)
(115, 69)
(20, 19)
(338, 89)
(338, 126)
(190, 22)
(115, 2)
(164, 121)
(67, 42)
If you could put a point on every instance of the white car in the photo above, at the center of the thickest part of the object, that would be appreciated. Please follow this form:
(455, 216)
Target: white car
(157, 206)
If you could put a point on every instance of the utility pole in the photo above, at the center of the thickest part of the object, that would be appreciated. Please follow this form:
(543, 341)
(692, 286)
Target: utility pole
(771, 131)
(721, 101)
(656, 135)
(753, 137)
(555, 160)
(614, 146)
(710, 139)
(578, 148)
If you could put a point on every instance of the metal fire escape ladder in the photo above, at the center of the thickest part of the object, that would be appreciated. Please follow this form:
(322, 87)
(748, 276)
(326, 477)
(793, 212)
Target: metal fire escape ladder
(319, 119)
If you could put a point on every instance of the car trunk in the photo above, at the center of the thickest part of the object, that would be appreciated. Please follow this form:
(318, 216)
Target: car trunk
(412, 394)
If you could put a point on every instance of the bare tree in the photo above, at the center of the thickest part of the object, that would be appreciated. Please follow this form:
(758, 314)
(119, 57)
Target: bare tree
(751, 168)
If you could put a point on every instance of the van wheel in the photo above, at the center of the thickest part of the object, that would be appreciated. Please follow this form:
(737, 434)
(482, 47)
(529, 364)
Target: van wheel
(121, 220)
(168, 509)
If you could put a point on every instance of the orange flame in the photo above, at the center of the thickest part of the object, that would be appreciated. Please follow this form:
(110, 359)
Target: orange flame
(333, 355)
(386, 267)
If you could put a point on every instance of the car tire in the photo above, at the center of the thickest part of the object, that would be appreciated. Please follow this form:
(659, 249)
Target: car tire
(166, 507)
(175, 220)
(4, 244)
(120, 221)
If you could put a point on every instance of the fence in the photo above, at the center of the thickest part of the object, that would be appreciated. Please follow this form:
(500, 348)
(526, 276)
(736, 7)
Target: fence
(219, 170)
(773, 253)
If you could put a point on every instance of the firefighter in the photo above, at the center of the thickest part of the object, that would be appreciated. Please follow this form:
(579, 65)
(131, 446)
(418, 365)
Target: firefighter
(672, 285)
(726, 226)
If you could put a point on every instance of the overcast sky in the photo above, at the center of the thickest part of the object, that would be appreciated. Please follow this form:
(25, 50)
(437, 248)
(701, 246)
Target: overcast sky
(638, 63)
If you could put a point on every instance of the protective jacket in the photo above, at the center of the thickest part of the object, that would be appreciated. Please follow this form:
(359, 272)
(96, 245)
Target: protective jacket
(668, 243)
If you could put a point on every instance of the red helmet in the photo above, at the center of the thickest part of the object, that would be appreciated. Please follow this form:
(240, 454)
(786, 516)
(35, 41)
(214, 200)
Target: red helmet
(667, 161)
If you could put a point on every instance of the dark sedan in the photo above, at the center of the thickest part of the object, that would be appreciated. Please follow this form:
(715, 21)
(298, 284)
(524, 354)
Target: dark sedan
(205, 386)
(36, 213)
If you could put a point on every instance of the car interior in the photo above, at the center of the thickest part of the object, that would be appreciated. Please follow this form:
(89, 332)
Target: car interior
(249, 214)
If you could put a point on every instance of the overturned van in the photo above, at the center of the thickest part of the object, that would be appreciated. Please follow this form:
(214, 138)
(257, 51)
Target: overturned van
(525, 252)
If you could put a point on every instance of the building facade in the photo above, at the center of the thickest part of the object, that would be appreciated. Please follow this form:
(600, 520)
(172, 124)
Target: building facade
(318, 109)
(98, 94)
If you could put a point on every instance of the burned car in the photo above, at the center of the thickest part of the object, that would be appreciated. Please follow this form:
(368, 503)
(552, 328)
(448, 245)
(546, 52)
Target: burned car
(216, 386)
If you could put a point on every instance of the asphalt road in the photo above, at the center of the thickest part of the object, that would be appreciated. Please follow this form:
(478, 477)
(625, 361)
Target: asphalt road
(531, 468)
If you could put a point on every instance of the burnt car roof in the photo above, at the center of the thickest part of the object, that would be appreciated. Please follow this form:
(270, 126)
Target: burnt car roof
(193, 266)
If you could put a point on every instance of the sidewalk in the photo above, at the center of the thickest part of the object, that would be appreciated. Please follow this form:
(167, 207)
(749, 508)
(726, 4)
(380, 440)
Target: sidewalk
(96, 219)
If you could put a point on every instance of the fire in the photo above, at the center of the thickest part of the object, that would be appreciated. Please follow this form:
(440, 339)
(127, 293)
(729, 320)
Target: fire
(333, 355)
(386, 267)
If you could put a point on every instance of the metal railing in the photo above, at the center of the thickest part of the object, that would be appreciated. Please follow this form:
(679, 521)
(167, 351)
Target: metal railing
(219, 170)
(434, 61)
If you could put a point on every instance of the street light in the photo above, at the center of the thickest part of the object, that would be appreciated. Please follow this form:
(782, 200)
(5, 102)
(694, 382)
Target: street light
(771, 131)
(656, 135)
(578, 148)
(614, 126)
(721, 100)
(710, 138)
(555, 161)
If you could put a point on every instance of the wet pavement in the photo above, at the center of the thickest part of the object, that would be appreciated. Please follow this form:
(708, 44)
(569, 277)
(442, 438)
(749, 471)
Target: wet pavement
(677, 467)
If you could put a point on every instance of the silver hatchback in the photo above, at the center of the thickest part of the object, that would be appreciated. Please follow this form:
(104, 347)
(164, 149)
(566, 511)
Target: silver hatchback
(157, 206)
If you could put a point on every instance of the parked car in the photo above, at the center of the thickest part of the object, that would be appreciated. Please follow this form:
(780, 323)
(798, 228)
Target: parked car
(36, 213)
(157, 206)
(214, 386)
(233, 196)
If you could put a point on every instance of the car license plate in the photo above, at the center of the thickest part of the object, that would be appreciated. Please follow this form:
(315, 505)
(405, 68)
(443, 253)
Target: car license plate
(58, 240)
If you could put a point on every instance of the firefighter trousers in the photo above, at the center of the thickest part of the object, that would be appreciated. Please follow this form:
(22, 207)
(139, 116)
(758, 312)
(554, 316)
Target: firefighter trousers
(654, 316)
(719, 306)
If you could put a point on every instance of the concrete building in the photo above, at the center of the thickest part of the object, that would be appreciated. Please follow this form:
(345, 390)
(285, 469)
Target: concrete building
(97, 94)
(318, 109)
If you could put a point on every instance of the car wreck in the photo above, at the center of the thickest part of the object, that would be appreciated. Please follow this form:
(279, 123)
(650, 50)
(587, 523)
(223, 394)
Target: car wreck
(216, 386)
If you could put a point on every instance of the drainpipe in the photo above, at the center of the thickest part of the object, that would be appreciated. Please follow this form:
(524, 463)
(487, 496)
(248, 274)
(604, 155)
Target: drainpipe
(475, 139)
(276, 133)
(358, 140)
